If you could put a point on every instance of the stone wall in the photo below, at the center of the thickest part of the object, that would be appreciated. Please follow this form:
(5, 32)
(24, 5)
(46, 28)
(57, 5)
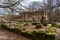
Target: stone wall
(30, 16)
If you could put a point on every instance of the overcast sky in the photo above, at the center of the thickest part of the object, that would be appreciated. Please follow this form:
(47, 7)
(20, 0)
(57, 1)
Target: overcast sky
(29, 1)
(25, 3)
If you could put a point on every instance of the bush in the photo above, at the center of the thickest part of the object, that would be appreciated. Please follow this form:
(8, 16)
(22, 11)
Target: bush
(26, 24)
(58, 25)
(54, 24)
(35, 23)
(42, 36)
(3, 26)
(23, 29)
(6, 27)
(34, 35)
(49, 25)
(38, 26)
(44, 24)
(52, 30)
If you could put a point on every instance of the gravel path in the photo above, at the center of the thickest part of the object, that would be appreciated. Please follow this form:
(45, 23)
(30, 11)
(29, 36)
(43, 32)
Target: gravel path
(58, 34)
(6, 35)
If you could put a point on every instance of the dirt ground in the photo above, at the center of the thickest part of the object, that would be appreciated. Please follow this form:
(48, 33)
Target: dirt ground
(6, 35)
(58, 34)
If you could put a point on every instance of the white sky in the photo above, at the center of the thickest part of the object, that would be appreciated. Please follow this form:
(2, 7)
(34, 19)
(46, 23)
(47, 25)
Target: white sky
(25, 3)
(36, 0)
